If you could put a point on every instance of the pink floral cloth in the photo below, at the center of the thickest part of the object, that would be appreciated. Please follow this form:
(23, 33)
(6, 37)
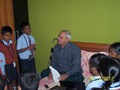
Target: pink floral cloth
(50, 83)
(84, 63)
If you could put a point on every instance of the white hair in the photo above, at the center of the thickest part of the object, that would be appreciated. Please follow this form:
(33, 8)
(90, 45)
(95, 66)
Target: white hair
(68, 34)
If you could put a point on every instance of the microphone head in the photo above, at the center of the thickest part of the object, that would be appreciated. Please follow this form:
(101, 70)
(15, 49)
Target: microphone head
(54, 40)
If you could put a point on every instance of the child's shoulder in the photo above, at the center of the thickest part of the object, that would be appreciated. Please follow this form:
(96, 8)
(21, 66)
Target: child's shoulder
(95, 84)
(31, 36)
(1, 43)
(21, 38)
(1, 54)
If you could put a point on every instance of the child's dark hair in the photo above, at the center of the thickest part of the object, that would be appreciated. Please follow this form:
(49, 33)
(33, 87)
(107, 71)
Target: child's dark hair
(95, 59)
(23, 24)
(6, 29)
(116, 47)
(110, 70)
(2, 83)
(29, 81)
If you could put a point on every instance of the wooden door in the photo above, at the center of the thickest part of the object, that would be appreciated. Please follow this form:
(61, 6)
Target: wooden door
(6, 15)
(7, 18)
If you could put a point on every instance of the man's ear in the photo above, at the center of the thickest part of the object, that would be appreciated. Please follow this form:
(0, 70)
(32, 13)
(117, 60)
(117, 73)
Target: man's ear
(68, 39)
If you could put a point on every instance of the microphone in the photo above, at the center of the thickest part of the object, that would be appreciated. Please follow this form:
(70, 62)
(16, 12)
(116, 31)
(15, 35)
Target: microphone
(51, 50)
(54, 40)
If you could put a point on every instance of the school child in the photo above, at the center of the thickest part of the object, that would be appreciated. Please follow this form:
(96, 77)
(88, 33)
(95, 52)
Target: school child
(2, 64)
(7, 47)
(96, 80)
(25, 48)
(29, 81)
(2, 83)
(114, 50)
(110, 73)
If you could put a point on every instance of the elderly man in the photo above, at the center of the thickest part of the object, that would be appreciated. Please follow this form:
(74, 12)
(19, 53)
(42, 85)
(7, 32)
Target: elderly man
(66, 58)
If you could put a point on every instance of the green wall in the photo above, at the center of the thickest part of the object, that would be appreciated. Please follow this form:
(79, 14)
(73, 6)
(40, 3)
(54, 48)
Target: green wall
(88, 20)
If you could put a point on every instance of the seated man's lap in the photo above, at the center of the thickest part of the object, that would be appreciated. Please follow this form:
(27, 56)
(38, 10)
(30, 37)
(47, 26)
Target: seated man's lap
(77, 77)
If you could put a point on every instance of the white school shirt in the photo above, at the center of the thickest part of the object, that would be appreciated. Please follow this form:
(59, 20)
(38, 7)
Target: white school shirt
(97, 82)
(6, 43)
(2, 63)
(115, 86)
(23, 42)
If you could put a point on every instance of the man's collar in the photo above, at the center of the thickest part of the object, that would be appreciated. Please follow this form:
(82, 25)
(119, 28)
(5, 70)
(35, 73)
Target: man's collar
(67, 45)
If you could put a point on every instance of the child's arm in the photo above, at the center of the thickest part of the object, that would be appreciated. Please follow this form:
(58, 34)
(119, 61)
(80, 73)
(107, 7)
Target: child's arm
(3, 64)
(27, 48)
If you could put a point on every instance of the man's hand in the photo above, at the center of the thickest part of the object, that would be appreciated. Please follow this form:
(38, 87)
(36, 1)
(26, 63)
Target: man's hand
(6, 88)
(63, 76)
(19, 88)
(50, 76)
